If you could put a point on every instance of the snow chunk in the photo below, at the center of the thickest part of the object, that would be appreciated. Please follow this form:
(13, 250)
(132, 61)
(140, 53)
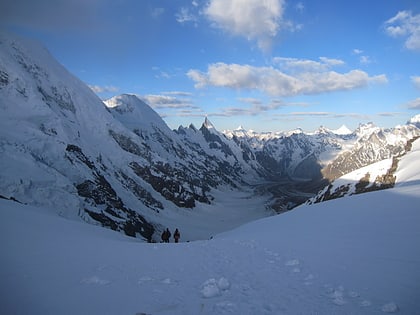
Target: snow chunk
(223, 284)
(212, 287)
(293, 262)
(390, 308)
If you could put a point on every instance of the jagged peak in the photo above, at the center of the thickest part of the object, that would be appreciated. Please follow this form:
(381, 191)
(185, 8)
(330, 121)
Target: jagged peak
(207, 124)
(366, 129)
(192, 127)
(322, 130)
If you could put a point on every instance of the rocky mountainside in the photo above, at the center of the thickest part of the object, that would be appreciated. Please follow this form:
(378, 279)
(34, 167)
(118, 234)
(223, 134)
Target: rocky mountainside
(376, 176)
(117, 164)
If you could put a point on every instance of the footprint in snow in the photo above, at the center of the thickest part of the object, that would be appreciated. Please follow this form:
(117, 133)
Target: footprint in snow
(337, 295)
(147, 279)
(390, 308)
(95, 281)
(365, 303)
(308, 280)
(295, 264)
(212, 287)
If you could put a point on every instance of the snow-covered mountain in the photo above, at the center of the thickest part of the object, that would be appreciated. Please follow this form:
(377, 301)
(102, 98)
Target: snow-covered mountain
(117, 164)
(372, 144)
(356, 255)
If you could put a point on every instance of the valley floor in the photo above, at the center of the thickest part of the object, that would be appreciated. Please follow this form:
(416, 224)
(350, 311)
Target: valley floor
(229, 209)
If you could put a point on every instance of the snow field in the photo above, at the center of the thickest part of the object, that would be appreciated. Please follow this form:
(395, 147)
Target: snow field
(310, 260)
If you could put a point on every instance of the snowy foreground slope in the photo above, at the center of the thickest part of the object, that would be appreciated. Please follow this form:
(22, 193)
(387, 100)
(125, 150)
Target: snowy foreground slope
(354, 255)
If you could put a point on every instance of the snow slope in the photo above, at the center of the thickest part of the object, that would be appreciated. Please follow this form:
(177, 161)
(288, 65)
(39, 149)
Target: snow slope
(355, 255)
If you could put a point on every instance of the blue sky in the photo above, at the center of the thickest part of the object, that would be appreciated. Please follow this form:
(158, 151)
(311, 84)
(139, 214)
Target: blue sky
(271, 65)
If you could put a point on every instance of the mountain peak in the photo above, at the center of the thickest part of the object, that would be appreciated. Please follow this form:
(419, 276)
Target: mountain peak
(133, 112)
(207, 123)
(323, 130)
(343, 130)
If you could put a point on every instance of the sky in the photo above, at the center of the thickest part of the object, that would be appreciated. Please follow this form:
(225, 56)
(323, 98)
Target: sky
(272, 65)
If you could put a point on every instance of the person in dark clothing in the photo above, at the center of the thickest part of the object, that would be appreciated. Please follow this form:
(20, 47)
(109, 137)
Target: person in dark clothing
(177, 235)
(168, 235)
(163, 236)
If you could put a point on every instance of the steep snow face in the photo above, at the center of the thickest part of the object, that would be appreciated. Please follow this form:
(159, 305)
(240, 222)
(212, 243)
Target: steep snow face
(56, 143)
(356, 255)
(41, 114)
(406, 173)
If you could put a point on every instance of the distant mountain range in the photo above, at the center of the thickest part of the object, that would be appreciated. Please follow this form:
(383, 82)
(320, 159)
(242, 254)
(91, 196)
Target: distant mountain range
(116, 163)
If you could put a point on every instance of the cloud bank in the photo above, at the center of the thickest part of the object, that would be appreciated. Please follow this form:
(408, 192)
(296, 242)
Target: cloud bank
(293, 77)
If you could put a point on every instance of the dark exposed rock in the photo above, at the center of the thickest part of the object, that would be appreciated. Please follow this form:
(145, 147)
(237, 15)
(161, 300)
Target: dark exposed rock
(168, 187)
(61, 98)
(99, 192)
(129, 145)
(141, 193)
(4, 78)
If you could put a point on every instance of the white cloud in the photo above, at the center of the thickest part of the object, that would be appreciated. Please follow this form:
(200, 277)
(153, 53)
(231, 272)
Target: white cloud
(178, 93)
(255, 20)
(184, 15)
(416, 81)
(307, 65)
(365, 60)
(405, 24)
(165, 101)
(414, 104)
(102, 89)
(256, 107)
(312, 77)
